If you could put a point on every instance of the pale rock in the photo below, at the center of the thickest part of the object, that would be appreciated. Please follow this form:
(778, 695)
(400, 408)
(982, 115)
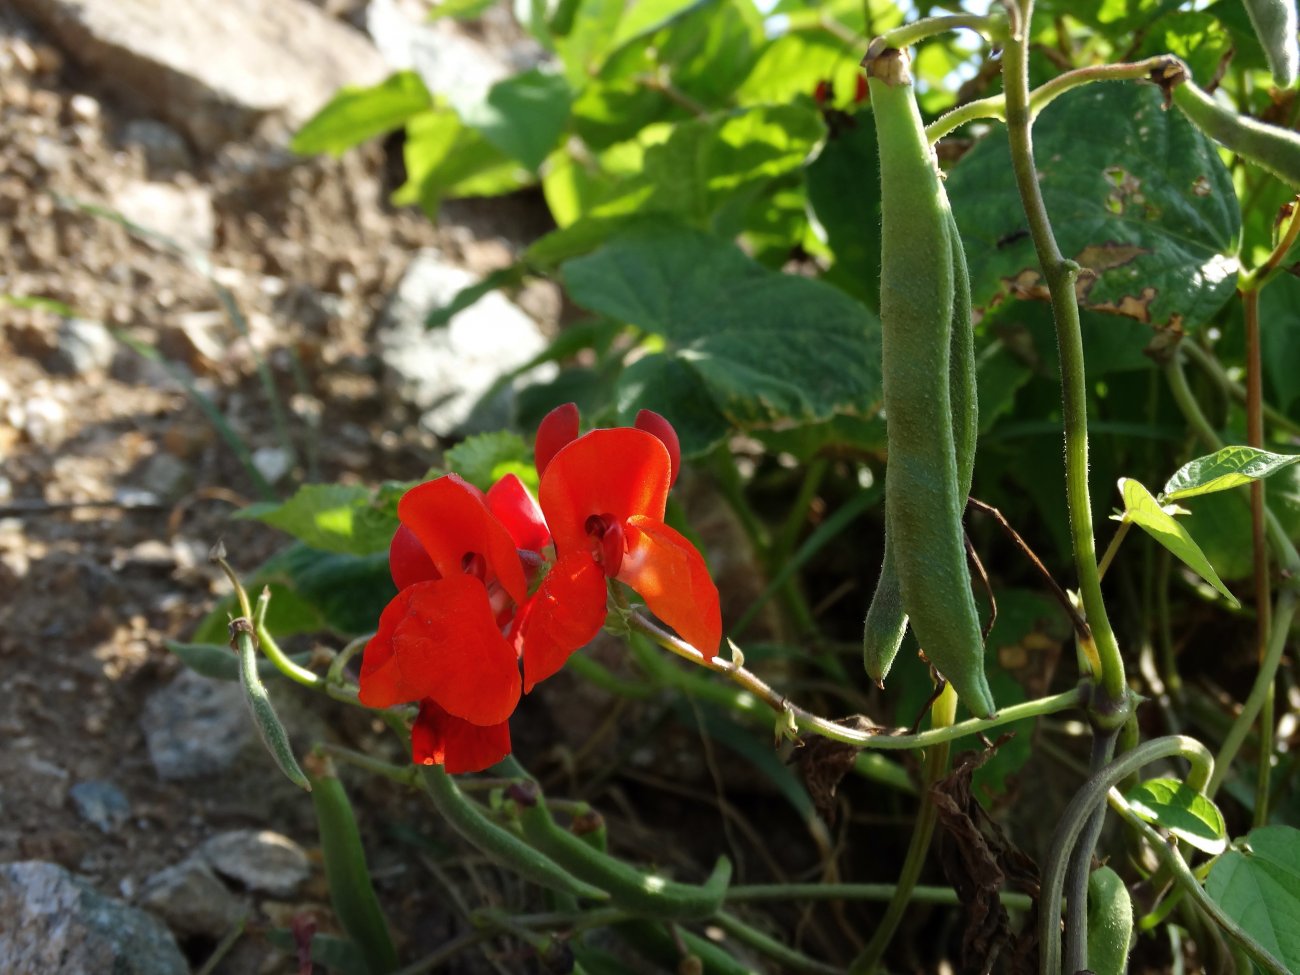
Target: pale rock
(52, 921)
(183, 214)
(195, 727)
(260, 859)
(214, 70)
(273, 463)
(164, 148)
(192, 899)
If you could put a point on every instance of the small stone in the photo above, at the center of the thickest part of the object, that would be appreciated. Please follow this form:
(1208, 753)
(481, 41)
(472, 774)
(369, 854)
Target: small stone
(165, 150)
(101, 804)
(165, 476)
(44, 420)
(53, 921)
(195, 727)
(84, 346)
(273, 463)
(84, 107)
(182, 213)
(259, 859)
(192, 899)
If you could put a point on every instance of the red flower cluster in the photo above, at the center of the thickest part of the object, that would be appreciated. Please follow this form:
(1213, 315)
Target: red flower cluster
(464, 617)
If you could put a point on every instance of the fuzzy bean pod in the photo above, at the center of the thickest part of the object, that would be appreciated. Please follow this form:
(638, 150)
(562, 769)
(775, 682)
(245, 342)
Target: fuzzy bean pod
(272, 732)
(351, 892)
(886, 622)
(1275, 26)
(924, 489)
(628, 887)
(1275, 149)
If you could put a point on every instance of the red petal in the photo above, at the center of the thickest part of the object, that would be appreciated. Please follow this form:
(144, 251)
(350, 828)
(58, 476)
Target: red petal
(408, 562)
(619, 473)
(451, 519)
(673, 580)
(510, 501)
(558, 428)
(567, 611)
(652, 422)
(439, 738)
(439, 640)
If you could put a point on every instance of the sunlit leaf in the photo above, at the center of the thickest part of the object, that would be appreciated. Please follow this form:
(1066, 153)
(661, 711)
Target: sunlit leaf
(357, 114)
(1181, 810)
(1143, 510)
(1227, 468)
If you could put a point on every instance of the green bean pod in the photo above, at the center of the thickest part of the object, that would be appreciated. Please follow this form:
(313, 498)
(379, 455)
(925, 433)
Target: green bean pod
(886, 622)
(351, 892)
(501, 847)
(1269, 146)
(1110, 922)
(1275, 26)
(925, 496)
(628, 888)
(272, 732)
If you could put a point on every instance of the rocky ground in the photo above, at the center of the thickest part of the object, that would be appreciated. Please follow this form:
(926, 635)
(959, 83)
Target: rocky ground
(144, 781)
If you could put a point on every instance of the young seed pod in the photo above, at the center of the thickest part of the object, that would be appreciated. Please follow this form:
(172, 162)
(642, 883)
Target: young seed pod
(886, 622)
(1275, 149)
(1275, 26)
(1110, 922)
(925, 492)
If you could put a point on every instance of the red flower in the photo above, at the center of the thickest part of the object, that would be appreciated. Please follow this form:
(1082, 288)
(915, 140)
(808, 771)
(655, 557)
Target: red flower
(461, 578)
(604, 496)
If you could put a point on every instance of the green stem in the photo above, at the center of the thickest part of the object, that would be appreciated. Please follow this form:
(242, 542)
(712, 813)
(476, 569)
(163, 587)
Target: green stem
(1191, 887)
(877, 738)
(1080, 862)
(789, 959)
(1109, 555)
(1283, 613)
(1214, 369)
(1078, 815)
(921, 894)
(401, 774)
(919, 30)
(942, 713)
(1060, 275)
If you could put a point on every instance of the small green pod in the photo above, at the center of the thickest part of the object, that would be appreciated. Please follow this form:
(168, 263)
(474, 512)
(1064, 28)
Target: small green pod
(627, 887)
(272, 732)
(351, 892)
(1110, 922)
(886, 622)
(1273, 148)
(1275, 26)
(925, 496)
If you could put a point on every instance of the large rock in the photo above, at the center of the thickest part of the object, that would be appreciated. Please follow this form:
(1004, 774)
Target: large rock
(445, 372)
(195, 727)
(213, 70)
(54, 923)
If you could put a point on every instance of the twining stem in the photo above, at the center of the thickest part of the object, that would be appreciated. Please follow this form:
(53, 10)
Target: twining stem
(874, 738)
(1192, 888)
(942, 714)
(1060, 274)
(1259, 546)
(921, 894)
(995, 106)
(1078, 816)
(1080, 862)
(908, 34)
(1259, 692)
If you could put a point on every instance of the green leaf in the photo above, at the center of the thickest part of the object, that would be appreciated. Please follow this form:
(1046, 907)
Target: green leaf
(445, 158)
(36, 301)
(1199, 38)
(676, 391)
(1181, 810)
(1279, 335)
(1137, 196)
(1143, 510)
(844, 190)
(459, 9)
(1258, 884)
(645, 17)
(330, 517)
(793, 64)
(486, 458)
(357, 114)
(1227, 468)
(769, 348)
(523, 116)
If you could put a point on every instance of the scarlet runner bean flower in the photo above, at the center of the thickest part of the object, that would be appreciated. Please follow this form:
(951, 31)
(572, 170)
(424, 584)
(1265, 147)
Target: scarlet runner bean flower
(446, 640)
(604, 496)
